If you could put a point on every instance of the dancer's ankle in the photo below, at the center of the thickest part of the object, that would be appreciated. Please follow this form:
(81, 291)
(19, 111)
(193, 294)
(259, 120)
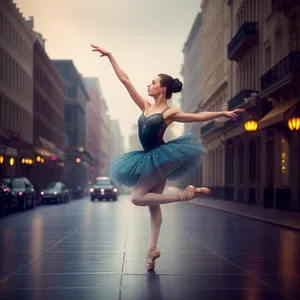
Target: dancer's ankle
(151, 247)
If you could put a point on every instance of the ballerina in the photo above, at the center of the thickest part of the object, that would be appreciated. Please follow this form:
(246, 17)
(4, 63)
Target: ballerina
(147, 171)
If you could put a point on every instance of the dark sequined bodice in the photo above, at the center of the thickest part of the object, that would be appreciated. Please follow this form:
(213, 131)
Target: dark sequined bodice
(151, 130)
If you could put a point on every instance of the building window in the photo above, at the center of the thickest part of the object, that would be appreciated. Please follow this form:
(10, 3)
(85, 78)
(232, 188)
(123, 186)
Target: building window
(241, 163)
(293, 35)
(284, 161)
(278, 45)
(268, 58)
(252, 161)
(1, 25)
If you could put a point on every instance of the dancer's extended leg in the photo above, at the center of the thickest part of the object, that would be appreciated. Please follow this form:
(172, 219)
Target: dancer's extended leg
(143, 196)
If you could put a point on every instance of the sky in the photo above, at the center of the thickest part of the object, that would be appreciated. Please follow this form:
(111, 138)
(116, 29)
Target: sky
(145, 37)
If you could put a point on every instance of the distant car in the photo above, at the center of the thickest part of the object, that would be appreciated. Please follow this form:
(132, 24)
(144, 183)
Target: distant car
(56, 191)
(103, 188)
(23, 191)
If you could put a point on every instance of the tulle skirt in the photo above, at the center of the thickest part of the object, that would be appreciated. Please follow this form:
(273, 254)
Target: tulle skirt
(167, 161)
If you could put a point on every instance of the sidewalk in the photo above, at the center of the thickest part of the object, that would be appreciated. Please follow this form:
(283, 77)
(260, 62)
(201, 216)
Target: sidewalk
(286, 219)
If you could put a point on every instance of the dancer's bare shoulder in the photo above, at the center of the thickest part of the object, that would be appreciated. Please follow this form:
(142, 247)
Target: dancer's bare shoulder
(169, 113)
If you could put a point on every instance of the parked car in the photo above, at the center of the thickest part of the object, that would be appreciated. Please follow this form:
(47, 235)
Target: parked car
(23, 191)
(7, 198)
(56, 191)
(103, 188)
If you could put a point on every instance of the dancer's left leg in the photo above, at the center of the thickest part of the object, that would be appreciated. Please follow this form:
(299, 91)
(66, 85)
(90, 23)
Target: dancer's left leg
(155, 223)
(155, 216)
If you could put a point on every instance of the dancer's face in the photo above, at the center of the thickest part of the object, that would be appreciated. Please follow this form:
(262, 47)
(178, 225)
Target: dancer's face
(154, 88)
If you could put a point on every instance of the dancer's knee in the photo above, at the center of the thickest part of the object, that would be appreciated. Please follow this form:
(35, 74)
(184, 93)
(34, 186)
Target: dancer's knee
(136, 201)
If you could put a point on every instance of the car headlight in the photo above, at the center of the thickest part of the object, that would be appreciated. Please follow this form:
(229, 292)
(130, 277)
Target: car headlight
(115, 190)
(55, 193)
(91, 190)
(102, 190)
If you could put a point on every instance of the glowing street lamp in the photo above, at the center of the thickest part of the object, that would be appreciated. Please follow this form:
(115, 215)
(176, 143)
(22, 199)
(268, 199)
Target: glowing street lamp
(251, 125)
(11, 161)
(294, 123)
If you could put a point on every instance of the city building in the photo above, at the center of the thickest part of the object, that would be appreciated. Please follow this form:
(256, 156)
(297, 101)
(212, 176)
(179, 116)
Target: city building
(260, 151)
(264, 70)
(48, 116)
(191, 93)
(16, 92)
(116, 141)
(214, 73)
(98, 127)
(105, 135)
(77, 159)
(134, 142)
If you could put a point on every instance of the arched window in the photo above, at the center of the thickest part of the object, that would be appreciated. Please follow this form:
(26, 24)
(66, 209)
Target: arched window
(252, 161)
(241, 163)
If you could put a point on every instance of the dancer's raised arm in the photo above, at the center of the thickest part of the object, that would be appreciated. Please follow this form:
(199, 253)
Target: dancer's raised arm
(176, 115)
(141, 102)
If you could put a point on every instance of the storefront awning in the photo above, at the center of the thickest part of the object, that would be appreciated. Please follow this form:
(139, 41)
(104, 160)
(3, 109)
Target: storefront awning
(277, 114)
(46, 148)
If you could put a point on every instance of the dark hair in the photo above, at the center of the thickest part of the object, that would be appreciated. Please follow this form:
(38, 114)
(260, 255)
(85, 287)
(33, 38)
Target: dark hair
(173, 85)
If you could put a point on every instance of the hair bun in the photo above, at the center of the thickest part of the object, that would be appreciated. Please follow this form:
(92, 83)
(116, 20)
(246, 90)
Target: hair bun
(177, 85)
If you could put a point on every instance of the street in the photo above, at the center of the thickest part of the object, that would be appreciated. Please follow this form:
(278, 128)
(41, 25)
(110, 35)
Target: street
(96, 250)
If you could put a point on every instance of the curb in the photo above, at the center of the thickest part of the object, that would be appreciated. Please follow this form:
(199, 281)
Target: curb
(250, 217)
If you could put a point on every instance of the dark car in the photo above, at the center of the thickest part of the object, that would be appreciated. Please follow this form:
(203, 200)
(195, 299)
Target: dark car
(56, 191)
(23, 191)
(103, 188)
(7, 198)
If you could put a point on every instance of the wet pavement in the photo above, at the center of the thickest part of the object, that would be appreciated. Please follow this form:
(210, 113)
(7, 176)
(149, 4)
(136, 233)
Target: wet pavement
(85, 250)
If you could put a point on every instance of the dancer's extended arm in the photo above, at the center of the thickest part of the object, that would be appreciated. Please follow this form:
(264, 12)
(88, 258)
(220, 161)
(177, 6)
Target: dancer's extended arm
(180, 116)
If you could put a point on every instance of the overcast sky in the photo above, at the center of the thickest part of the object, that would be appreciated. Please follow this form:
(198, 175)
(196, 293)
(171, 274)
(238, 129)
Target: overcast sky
(146, 38)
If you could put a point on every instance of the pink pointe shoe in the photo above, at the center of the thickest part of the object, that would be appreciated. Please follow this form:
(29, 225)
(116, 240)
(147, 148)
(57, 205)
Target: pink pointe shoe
(152, 254)
(191, 192)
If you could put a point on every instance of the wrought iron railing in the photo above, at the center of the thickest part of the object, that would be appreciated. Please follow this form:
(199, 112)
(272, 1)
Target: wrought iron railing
(239, 98)
(230, 123)
(207, 127)
(247, 29)
(288, 65)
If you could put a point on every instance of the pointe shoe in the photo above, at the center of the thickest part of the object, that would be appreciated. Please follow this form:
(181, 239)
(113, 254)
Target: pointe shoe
(152, 254)
(191, 192)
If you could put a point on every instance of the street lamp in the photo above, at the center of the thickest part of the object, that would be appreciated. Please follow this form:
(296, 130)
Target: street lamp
(251, 125)
(294, 123)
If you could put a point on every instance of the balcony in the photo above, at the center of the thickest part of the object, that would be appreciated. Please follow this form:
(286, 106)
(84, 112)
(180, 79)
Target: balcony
(284, 6)
(239, 99)
(243, 40)
(285, 74)
(208, 127)
(229, 124)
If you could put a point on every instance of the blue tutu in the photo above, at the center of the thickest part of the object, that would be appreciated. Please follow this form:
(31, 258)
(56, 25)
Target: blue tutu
(169, 160)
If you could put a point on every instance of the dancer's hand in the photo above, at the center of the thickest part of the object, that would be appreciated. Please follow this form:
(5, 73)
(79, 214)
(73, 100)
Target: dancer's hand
(233, 114)
(101, 50)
